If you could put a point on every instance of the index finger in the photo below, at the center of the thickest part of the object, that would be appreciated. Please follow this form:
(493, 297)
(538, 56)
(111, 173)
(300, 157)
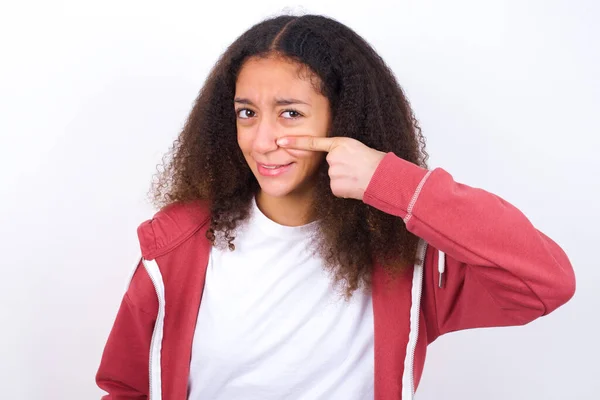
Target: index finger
(311, 143)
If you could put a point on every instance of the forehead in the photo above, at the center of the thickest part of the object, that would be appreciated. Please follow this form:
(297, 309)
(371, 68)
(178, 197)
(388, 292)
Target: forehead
(275, 74)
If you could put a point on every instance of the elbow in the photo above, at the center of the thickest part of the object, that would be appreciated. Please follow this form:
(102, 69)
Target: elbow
(561, 289)
(568, 286)
(559, 283)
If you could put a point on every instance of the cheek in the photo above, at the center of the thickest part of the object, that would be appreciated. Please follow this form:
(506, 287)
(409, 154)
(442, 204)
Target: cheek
(245, 140)
(312, 160)
(300, 154)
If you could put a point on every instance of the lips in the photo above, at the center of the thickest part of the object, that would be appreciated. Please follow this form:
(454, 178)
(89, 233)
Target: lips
(273, 169)
(273, 166)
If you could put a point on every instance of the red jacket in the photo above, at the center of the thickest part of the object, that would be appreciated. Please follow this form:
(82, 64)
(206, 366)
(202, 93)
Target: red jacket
(484, 265)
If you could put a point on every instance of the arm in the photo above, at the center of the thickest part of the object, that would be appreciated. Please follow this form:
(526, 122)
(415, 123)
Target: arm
(123, 371)
(500, 270)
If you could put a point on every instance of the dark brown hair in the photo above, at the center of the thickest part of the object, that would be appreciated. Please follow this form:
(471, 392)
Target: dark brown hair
(367, 104)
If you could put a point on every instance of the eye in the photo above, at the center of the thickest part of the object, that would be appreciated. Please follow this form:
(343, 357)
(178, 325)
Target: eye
(245, 113)
(291, 114)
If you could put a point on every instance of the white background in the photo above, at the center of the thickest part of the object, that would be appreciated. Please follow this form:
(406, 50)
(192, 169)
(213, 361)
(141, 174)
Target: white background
(93, 93)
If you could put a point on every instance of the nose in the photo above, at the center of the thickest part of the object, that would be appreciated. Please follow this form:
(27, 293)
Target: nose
(266, 135)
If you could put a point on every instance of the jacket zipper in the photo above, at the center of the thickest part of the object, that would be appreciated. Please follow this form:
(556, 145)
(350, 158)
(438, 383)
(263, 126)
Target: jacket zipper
(417, 286)
(156, 341)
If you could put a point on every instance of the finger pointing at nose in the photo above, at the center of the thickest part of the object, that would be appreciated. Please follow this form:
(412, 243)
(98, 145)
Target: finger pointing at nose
(351, 163)
(310, 143)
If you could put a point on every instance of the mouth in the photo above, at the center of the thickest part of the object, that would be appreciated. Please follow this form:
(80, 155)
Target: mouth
(273, 169)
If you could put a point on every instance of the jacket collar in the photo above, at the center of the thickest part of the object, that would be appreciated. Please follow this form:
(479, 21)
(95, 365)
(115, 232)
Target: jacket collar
(171, 226)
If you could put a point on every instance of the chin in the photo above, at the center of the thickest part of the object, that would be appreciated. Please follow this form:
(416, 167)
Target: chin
(276, 189)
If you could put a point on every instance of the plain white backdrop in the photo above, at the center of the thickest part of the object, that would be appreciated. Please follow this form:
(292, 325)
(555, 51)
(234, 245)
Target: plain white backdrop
(93, 93)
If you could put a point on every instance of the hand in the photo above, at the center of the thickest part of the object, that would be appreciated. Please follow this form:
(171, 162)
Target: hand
(351, 163)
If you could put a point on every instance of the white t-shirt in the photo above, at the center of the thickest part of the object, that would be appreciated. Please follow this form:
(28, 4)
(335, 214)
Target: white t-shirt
(272, 327)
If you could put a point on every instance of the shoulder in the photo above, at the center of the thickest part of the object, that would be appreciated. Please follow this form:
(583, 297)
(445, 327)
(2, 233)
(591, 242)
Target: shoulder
(171, 226)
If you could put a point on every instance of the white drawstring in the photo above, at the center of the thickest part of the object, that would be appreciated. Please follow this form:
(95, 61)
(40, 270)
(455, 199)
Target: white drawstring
(441, 266)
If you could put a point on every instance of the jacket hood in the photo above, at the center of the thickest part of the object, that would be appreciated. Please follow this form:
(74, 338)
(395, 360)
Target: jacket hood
(171, 226)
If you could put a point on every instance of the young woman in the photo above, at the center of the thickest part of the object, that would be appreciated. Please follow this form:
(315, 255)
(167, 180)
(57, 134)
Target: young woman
(303, 250)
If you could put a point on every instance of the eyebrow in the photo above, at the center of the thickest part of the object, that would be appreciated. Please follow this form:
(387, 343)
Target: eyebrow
(278, 102)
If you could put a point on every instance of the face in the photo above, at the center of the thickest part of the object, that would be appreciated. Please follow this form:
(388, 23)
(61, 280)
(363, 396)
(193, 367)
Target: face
(275, 98)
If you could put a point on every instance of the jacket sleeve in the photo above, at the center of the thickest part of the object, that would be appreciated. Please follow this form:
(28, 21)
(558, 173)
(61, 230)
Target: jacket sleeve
(499, 269)
(124, 368)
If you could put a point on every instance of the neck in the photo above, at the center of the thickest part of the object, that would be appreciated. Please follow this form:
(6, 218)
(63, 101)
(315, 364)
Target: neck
(290, 210)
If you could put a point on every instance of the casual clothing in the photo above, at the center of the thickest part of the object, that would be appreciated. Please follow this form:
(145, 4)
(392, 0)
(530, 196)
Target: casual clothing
(272, 327)
(481, 263)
